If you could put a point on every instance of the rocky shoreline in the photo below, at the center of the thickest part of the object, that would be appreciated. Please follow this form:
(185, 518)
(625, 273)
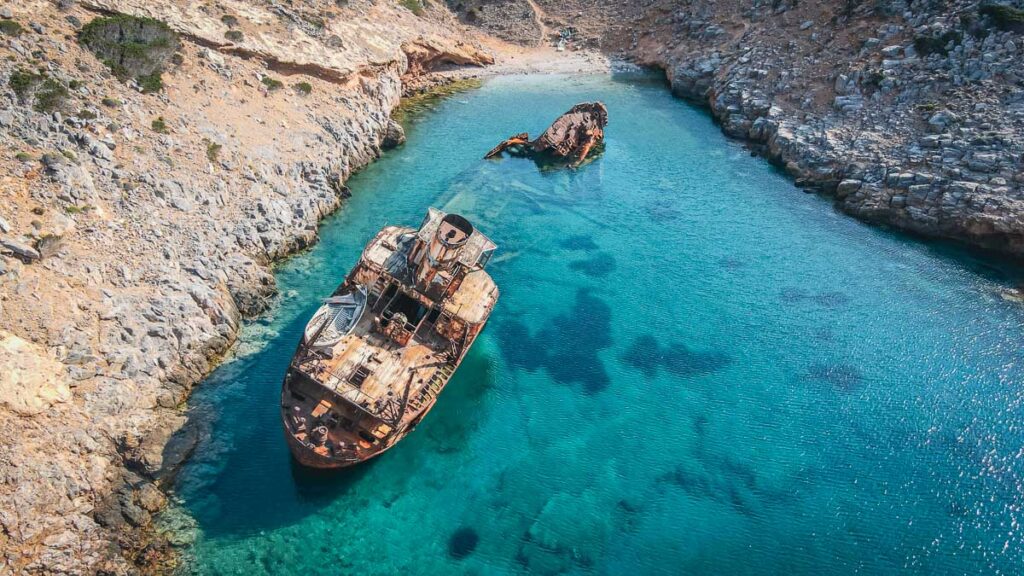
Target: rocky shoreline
(138, 225)
(931, 144)
(954, 181)
(909, 114)
(138, 229)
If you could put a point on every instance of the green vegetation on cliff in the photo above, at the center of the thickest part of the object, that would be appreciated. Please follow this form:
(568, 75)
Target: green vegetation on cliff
(44, 93)
(132, 47)
(415, 6)
(272, 83)
(10, 28)
(1004, 17)
(418, 103)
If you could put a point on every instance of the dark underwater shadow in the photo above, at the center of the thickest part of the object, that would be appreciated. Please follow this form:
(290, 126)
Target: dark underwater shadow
(321, 487)
(241, 477)
(566, 346)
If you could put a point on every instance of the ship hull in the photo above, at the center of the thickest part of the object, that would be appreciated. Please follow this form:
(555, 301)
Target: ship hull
(380, 350)
(305, 455)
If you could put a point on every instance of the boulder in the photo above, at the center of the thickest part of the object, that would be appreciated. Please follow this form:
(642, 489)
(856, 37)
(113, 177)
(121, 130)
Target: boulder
(23, 252)
(847, 187)
(394, 135)
(940, 121)
(150, 498)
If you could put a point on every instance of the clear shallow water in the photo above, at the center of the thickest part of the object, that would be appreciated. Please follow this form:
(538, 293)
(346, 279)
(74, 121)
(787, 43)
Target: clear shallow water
(694, 367)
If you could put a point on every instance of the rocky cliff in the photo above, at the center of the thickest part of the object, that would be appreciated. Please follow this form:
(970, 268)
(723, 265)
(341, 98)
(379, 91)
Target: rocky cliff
(909, 114)
(153, 166)
(158, 156)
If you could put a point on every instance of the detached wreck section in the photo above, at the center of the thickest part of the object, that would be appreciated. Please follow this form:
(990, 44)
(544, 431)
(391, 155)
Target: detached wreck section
(570, 138)
(376, 355)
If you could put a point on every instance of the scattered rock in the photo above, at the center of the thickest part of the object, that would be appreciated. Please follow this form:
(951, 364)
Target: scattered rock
(25, 253)
(394, 136)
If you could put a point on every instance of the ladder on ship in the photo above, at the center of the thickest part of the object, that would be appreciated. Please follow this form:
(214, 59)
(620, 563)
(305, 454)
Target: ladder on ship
(433, 387)
(455, 348)
(377, 291)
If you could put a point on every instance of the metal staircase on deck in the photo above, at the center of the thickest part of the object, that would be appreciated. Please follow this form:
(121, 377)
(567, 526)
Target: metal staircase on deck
(433, 386)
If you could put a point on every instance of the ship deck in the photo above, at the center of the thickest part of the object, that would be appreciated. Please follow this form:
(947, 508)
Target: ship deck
(384, 368)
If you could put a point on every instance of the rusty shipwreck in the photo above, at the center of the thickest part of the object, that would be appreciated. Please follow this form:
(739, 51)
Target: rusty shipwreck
(375, 356)
(569, 139)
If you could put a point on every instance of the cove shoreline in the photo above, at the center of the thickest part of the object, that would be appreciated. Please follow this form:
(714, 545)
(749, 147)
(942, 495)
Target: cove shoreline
(541, 62)
(474, 440)
(152, 544)
(770, 144)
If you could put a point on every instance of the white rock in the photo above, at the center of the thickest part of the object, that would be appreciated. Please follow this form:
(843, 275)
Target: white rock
(892, 51)
(30, 380)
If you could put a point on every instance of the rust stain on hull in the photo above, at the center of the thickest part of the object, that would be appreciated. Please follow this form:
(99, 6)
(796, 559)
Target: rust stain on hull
(379, 351)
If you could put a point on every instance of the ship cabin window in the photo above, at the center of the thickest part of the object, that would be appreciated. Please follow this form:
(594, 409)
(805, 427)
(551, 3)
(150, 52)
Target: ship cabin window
(485, 257)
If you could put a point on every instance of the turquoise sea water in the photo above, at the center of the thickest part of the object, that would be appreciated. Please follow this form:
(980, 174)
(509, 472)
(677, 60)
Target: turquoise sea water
(693, 368)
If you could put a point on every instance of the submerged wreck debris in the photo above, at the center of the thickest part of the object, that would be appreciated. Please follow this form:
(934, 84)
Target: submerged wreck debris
(571, 137)
(378, 352)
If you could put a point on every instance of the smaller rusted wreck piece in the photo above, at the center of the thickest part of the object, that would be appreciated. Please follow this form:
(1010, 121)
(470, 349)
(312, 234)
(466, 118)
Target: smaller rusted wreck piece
(376, 355)
(570, 138)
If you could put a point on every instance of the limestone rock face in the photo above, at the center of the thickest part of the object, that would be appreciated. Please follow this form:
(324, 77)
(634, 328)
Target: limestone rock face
(383, 35)
(425, 54)
(136, 229)
(30, 381)
(515, 21)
